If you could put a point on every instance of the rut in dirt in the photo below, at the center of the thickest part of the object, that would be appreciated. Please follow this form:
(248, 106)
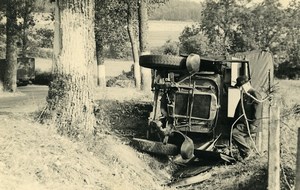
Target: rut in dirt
(126, 119)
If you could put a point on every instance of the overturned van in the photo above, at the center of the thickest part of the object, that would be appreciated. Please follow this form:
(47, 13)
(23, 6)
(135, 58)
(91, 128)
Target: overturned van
(195, 99)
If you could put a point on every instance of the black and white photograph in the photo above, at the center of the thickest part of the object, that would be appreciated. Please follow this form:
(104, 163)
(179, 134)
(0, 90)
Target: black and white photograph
(149, 94)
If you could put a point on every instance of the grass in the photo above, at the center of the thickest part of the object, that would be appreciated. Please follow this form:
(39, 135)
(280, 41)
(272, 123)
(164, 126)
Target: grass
(161, 31)
(112, 161)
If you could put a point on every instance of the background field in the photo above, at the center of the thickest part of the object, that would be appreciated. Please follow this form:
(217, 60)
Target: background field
(159, 33)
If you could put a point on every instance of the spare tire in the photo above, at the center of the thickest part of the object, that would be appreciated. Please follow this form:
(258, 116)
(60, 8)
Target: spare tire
(163, 62)
(155, 147)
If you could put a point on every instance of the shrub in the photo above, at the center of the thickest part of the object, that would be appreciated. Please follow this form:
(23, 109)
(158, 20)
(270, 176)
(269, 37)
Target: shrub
(42, 78)
(124, 80)
(287, 70)
(44, 37)
(171, 48)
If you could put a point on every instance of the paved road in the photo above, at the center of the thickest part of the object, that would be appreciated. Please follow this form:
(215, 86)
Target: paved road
(33, 97)
(30, 98)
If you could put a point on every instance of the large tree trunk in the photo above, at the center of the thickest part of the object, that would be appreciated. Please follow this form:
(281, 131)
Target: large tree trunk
(143, 35)
(70, 96)
(101, 82)
(134, 46)
(10, 71)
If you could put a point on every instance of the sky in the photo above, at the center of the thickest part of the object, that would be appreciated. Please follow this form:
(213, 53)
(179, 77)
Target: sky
(283, 2)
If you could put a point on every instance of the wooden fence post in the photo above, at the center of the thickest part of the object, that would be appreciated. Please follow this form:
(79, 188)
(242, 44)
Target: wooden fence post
(297, 187)
(274, 148)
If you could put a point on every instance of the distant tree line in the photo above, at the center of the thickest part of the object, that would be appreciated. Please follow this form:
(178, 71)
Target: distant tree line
(177, 10)
(223, 26)
(180, 10)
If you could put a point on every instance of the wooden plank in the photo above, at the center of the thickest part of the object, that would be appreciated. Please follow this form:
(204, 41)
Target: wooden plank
(274, 148)
(191, 180)
(297, 187)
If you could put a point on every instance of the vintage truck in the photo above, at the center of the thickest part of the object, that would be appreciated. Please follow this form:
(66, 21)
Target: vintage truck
(195, 100)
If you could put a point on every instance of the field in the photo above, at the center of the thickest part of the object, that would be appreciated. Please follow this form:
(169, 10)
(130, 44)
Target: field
(159, 33)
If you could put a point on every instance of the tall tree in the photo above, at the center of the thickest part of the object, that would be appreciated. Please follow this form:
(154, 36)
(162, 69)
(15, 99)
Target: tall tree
(266, 23)
(219, 20)
(110, 21)
(193, 41)
(143, 39)
(16, 35)
(292, 41)
(25, 13)
(70, 96)
(10, 69)
(132, 33)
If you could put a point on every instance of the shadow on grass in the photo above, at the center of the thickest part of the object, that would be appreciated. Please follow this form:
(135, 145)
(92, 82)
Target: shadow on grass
(126, 118)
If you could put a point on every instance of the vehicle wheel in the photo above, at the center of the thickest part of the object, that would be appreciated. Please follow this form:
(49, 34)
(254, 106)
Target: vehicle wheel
(155, 147)
(163, 61)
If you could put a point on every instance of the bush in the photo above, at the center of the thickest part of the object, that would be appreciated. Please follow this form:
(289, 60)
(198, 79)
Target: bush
(43, 53)
(171, 48)
(44, 37)
(118, 51)
(42, 78)
(124, 80)
(287, 70)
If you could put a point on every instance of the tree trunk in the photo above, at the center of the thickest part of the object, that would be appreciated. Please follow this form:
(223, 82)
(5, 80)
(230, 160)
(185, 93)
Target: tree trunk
(70, 96)
(143, 38)
(134, 46)
(101, 82)
(10, 71)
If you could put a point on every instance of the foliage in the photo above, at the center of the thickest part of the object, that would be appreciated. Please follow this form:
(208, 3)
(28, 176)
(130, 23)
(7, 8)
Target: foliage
(124, 80)
(171, 48)
(264, 25)
(168, 48)
(177, 10)
(292, 39)
(44, 37)
(110, 26)
(233, 26)
(25, 13)
(42, 78)
(43, 6)
(116, 51)
(58, 89)
(193, 41)
(219, 21)
(288, 70)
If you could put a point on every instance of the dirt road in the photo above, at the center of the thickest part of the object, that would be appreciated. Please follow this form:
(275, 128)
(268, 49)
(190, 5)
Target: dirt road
(28, 99)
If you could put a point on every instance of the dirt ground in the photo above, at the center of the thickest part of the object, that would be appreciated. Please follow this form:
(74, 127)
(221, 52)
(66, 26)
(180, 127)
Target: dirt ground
(34, 156)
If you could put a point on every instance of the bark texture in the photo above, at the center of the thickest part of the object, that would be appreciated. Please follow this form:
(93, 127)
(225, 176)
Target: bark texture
(70, 95)
(101, 82)
(134, 45)
(10, 69)
(143, 36)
